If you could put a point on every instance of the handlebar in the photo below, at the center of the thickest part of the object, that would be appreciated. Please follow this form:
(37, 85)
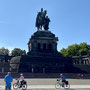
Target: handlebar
(58, 80)
(17, 79)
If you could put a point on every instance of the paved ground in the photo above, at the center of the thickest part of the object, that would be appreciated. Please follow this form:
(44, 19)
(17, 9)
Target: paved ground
(49, 84)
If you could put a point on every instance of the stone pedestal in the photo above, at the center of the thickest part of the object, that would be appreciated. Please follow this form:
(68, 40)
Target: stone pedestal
(42, 56)
(42, 41)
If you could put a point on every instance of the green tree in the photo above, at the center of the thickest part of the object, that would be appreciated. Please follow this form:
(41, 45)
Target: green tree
(89, 49)
(64, 52)
(4, 51)
(76, 50)
(84, 49)
(18, 52)
(73, 50)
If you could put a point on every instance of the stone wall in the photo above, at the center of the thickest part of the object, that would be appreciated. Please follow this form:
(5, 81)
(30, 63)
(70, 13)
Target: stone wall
(81, 60)
(47, 75)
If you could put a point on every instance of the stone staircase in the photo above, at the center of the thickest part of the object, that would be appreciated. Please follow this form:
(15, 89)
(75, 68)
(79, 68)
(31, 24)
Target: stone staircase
(83, 68)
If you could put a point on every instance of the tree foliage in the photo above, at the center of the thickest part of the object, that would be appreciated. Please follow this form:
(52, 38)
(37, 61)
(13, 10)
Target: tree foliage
(18, 52)
(76, 50)
(4, 51)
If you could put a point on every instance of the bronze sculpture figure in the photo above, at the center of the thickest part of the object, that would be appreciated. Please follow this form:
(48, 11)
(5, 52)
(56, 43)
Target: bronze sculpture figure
(42, 20)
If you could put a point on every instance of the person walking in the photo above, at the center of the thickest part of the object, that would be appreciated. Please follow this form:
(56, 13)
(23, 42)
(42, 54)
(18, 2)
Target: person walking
(8, 80)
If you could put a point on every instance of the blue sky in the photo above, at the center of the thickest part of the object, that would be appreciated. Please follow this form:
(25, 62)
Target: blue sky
(70, 21)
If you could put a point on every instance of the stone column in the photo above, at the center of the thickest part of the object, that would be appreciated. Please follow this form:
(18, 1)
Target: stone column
(79, 61)
(2, 69)
(10, 69)
(32, 69)
(85, 61)
(43, 70)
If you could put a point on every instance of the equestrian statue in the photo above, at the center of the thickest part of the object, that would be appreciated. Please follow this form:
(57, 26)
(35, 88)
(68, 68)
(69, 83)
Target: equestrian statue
(42, 20)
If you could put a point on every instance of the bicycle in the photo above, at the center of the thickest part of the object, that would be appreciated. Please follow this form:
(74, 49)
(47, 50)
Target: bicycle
(18, 85)
(60, 85)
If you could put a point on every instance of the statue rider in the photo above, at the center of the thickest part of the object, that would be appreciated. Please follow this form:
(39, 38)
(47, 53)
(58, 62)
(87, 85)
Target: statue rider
(46, 24)
(38, 18)
(42, 20)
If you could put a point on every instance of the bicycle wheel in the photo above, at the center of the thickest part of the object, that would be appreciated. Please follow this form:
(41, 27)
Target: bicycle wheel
(67, 85)
(57, 85)
(15, 86)
(24, 86)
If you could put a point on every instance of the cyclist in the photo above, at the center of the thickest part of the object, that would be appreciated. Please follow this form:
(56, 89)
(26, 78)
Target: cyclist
(21, 78)
(63, 79)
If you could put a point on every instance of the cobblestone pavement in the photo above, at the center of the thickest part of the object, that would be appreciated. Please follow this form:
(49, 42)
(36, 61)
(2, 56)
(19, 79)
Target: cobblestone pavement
(52, 89)
(52, 81)
(49, 84)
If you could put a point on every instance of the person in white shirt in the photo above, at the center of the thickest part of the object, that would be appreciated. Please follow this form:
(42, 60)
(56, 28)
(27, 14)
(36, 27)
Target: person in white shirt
(21, 79)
